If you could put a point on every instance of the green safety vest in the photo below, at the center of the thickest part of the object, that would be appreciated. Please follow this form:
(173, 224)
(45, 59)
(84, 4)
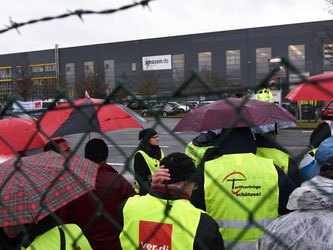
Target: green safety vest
(264, 95)
(234, 186)
(51, 239)
(147, 227)
(196, 153)
(280, 158)
(152, 163)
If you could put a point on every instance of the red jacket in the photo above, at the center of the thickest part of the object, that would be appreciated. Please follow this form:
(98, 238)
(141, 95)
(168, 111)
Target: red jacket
(101, 234)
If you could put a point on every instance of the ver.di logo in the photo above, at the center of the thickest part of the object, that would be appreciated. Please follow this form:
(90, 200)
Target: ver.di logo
(233, 177)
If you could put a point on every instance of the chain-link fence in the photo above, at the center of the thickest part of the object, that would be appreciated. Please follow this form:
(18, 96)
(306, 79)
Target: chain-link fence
(25, 195)
(41, 191)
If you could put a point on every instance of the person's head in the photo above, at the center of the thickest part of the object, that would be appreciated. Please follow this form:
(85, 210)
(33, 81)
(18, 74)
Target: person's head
(96, 150)
(319, 134)
(58, 145)
(149, 135)
(237, 140)
(326, 169)
(12, 231)
(182, 171)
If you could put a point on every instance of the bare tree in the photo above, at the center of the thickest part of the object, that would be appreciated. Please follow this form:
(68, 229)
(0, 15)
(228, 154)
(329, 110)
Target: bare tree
(24, 84)
(93, 83)
(149, 84)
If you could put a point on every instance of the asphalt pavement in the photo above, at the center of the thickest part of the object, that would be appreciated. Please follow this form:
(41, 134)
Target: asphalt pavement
(123, 143)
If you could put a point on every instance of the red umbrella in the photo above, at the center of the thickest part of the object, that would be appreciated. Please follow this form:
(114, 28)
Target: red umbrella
(41, 184)
(17, 134)
(88, 115)
(232, 113)
(318, 87)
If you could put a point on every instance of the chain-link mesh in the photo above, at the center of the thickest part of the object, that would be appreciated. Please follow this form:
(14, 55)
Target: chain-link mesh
(115, 143)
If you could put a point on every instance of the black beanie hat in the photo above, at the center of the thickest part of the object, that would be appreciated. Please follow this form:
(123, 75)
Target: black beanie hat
(96, 150)
(181, 167)
(147, 133)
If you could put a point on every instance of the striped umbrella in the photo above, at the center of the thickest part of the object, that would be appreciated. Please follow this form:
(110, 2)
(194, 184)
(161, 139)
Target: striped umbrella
(37, 185)
(88, 115)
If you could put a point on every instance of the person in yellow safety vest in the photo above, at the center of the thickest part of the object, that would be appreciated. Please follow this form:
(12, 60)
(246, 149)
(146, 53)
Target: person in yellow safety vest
(147, 159)
(196, 149)
(46, 234)
(319, 134)
(264, 94)
(240, 186)
(165, 218)
(267, 147)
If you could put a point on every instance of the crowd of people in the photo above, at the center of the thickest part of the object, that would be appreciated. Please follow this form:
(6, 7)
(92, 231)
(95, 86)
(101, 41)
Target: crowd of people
(231, 189)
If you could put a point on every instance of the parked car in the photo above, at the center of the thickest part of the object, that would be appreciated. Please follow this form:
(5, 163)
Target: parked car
(327, 113)
(160, 109)
(192, 104)
(203, 103)
(181, 108)
(137, 105)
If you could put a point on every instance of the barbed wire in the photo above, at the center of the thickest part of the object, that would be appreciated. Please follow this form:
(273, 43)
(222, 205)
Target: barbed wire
(79, 12)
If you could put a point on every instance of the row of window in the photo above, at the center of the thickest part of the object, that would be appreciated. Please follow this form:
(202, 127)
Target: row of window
(6, 72)
(296, 54)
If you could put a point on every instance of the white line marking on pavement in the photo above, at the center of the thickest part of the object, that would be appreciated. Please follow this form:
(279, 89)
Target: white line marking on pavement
(307, 131)
(115, 164)
(132, 146)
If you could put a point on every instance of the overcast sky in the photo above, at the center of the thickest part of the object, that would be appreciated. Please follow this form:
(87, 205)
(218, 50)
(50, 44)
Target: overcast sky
(163, 18)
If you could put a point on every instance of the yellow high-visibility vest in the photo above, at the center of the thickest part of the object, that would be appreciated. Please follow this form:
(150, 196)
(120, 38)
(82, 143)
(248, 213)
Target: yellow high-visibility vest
(152, 163)
(50, 240)
(196, 153)
(280, 158)
(264, 95)
(146, 225)
(239, 187)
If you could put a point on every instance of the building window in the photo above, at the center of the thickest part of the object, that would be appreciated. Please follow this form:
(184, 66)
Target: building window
(233, 70)
(328, 57)
(5, 73)
(36, 69)
(205, 61)
(262, 57)
(133, 67)
(88, 69)
(70, 74)
(19, 69)
(178, 69)
(50, 68)
(6, 89)
(37, 81)
(297, 56)
(109, 73)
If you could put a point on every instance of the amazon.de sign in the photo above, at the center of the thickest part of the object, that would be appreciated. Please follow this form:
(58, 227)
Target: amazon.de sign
(156, 62)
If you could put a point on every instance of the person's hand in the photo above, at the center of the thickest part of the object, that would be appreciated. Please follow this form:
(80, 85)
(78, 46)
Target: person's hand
(160, 175)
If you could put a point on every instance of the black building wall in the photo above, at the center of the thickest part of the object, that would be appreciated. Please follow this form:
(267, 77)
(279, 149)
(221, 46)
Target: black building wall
(245, 40)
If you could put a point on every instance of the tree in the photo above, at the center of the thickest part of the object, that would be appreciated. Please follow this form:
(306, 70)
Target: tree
(24, 84)
(149, 84)
(94, 84)
(122, 94)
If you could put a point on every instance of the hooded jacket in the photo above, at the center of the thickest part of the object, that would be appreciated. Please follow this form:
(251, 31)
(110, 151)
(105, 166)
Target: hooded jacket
(310, 226)
(323, 152)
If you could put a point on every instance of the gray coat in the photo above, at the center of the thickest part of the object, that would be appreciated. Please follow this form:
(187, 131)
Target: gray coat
(310, 226)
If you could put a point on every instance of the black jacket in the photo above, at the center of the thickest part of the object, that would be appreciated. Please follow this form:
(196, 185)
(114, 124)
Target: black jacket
(141, 169)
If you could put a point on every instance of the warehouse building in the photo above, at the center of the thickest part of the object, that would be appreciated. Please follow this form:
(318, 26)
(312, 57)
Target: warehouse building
(227, 58)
